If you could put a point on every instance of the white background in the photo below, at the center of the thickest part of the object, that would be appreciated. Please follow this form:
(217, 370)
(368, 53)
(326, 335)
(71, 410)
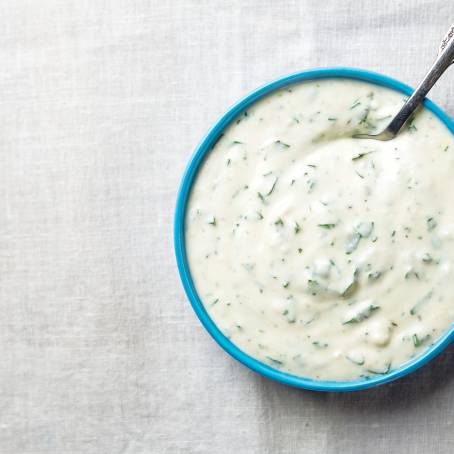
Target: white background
(101, 105)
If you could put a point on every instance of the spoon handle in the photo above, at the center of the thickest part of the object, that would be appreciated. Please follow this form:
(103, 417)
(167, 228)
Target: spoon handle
(444, 59)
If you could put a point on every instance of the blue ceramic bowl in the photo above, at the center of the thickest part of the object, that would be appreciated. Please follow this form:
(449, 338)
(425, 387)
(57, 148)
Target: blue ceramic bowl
(179, 238)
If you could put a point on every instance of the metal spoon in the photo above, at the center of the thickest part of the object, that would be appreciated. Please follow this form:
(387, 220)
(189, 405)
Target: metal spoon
(444, 59)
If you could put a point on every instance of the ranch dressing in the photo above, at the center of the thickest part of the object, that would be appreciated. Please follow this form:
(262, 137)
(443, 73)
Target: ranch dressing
(319, 254)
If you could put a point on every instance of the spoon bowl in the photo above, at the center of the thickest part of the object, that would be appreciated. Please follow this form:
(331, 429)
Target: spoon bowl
(444, 59)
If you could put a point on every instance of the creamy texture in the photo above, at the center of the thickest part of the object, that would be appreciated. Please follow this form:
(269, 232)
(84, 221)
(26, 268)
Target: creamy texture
(319, 254)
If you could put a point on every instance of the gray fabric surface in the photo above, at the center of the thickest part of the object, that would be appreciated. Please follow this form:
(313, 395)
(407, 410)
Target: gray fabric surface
(101, 105)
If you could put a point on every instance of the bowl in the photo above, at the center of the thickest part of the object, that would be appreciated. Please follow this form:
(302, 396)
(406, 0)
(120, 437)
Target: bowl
(179, 235)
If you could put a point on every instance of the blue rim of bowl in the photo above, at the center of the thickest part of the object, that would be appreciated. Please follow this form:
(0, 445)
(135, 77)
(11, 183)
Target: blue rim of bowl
(179, 241)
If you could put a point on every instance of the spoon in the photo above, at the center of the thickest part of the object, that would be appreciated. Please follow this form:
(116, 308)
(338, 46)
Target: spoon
(444, 59)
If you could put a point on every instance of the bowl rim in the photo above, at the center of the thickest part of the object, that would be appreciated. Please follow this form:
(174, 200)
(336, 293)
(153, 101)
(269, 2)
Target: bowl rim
(188, 179)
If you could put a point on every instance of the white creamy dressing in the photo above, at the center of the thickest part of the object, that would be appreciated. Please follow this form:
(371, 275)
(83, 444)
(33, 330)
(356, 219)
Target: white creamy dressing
(319, 254)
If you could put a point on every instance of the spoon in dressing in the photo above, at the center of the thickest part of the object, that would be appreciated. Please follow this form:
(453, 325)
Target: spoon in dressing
(444, 59)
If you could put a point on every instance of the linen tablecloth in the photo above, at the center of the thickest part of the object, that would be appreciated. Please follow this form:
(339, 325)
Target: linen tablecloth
(101, 104)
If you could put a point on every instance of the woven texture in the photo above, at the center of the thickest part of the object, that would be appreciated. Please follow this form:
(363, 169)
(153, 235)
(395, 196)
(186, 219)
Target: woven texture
(101, 105)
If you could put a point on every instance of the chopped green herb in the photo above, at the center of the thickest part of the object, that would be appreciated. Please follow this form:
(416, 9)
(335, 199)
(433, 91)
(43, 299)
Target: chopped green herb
(417, 307)
(365, 115)
(311, 183)
(282, 144)
(374, 275)
(300, 250)
(431, 224)
(272, 187)
(286, 284)
(417, 342)
(350, 290)
(352, 243)
(446, 148)
(212, 221)
(361, 155)
(313, 286)
(237, 142)
(427, 258)
(319, 344)
(259, 215)
(245, 114)
(353, 286)
(228, 162)
(261, 197)
(215, 302)
(279, 221)
(297, 228)
(356, 103)
(274, 361)
(363, 315)
(411, 273)
(412, 128)
(332, 118)
(327, 226)
(357, 173)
